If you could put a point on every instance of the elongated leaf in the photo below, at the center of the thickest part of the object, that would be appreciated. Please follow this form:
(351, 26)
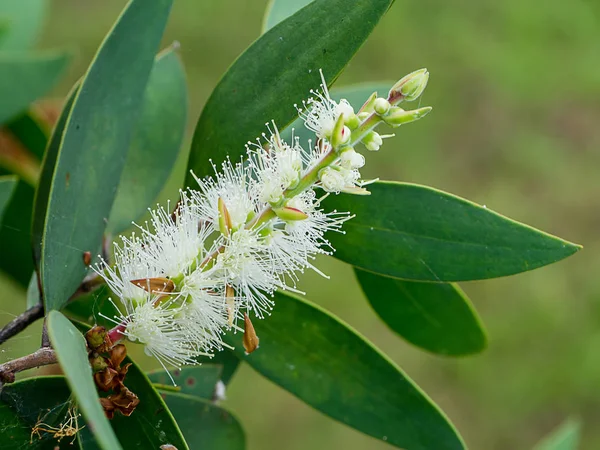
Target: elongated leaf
(26, 77)
(325, 363)
(38, 400)
(70, 348)
(279, 10)
(565, 437)
(276, 72)
(434, 316)
(156, 142)
(94, 147)
(205, 425)
(419, 233)
(33, 292)
(23, 20)
(7, 187)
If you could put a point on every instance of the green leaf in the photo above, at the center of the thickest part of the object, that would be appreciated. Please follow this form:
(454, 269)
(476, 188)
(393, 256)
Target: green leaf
(7, 188)
(279, 10)
(434, 316)
(565, 437)
(328, 365)
(156, 142)
(205, 425)
(276, 72)
(72, 356)
(419, 233)
(26, 77)
(94, 147)
(198, 381)
(14, 433)
(24, 21)
(35, 400)
(15, 239)
(33, 292)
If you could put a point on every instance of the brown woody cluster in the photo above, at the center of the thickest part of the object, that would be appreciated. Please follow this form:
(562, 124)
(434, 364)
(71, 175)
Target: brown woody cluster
(109, 375)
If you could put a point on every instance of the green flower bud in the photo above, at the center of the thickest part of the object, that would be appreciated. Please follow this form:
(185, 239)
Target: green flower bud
(381, 106)
(410, 87)
(341, 133)
(290, 214)
(372, 141)
(397, 116)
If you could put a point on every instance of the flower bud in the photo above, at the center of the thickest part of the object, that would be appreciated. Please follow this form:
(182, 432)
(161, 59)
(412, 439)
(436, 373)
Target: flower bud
(98, 364)
(350, 159)
(410, 87)
(352, 121)
(381, 106)
(250, 339)
(225, 224)
(341, 133)
(290, 214)
(397, 116)
(372, 141)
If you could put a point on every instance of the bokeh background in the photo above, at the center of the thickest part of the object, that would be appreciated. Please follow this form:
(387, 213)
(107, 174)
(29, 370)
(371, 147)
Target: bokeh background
(515, 87)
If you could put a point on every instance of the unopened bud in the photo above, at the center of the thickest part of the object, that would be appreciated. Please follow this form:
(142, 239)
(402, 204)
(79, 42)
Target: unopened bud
(290, 214)
(410, 87)
(225, 224)
(398, 116)
(250, 339)
(98, 364)
(372, 141)
(341, 133)
(381, 106)
(96, 338)
(352, 121)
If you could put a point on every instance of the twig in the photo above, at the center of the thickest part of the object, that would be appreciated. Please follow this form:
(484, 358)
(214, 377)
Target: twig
(41, 357)
(21, 322)
(45, 338)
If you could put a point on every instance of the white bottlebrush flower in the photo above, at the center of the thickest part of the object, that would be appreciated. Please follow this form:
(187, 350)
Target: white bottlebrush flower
(320, 113)
(337, 179)
(351, 159)
(234, 186)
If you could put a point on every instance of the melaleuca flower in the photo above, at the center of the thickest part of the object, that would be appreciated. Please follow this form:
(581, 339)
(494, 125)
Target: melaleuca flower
(321, 112)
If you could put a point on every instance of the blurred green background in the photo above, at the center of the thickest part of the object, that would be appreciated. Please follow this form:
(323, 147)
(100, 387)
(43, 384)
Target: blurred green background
(515, 87)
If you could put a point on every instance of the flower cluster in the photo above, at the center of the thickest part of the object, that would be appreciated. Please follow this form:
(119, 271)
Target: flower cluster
(187, 277)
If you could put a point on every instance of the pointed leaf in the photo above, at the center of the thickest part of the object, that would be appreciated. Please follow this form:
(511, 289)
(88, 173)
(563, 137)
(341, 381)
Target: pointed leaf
(7, 188)
(565, 437)
(205, 425)
(279, 10)
(437, 317)
(328, 365)
(156, 142)
(276, 72)
(71, 352)
(33, 292)
(26, 77)
(419, 233)
(24, 22)
(94, 147)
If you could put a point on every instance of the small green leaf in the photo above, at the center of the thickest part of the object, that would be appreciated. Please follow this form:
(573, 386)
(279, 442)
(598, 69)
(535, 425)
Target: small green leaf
(7, 188)
(279, 10)
(328, 365)
(156, 142)
(26, 77)
(33, 292)
(24, 22)
(276, 72)
(437, 317)
(565, 437)
(198, 381)
(72, 356)
(93, 148)
(419, 233)
(205, 425)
